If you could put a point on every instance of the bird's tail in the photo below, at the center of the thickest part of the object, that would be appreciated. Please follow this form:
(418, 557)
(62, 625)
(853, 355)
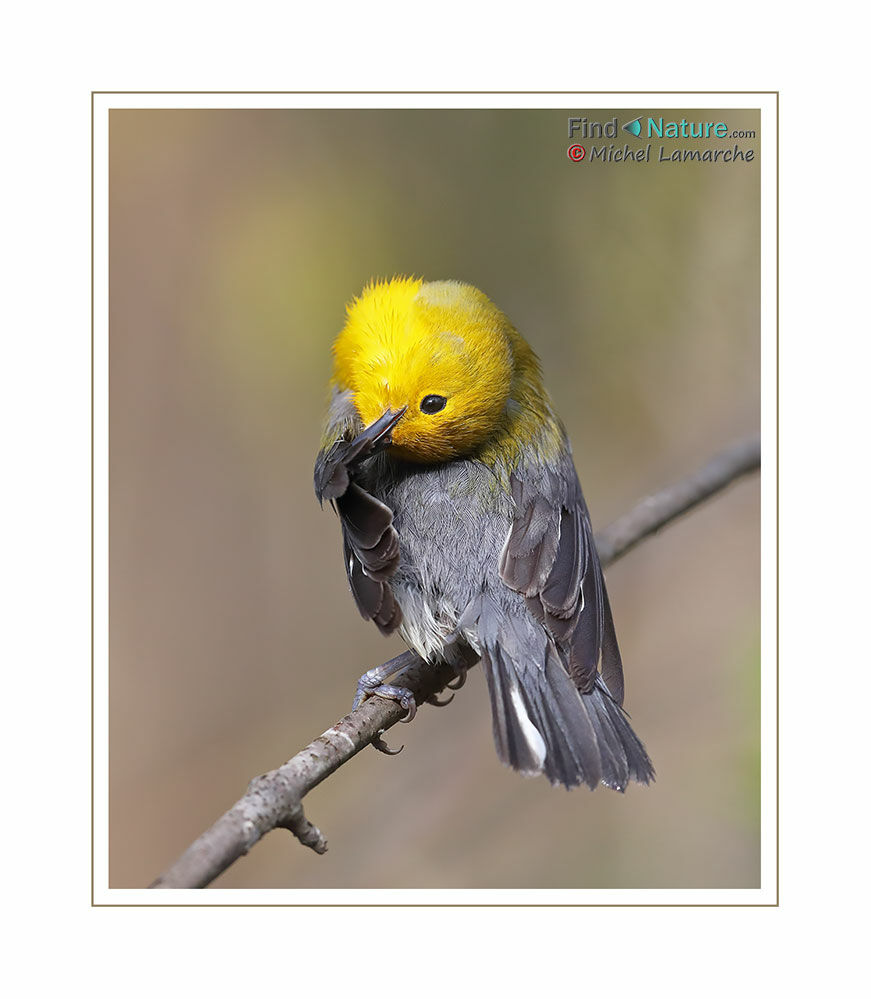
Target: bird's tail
(542, 724)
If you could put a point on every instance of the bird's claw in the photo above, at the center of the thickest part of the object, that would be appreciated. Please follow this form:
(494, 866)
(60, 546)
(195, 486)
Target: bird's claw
(409, 703)
(436, 703)
(458, 680)
(382, 747)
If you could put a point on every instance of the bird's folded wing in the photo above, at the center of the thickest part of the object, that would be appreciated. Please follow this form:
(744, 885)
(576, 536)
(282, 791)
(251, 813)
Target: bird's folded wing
(550, 557)
(371, 555)
(371, 544)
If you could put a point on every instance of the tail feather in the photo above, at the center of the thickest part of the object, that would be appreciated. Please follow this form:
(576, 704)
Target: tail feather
(640, 767)
(615, 763)
(518, 743)
(542, 724)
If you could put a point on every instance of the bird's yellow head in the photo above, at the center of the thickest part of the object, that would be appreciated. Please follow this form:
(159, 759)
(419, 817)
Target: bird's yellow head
(444, 352)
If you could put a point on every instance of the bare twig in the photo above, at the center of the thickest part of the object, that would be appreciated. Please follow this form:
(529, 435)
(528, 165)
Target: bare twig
(663, 507)
(273, 800)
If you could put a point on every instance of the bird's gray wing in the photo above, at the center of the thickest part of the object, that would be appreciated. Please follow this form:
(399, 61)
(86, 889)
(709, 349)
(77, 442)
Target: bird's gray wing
(370, 541)
(555, 677)
(550, 558)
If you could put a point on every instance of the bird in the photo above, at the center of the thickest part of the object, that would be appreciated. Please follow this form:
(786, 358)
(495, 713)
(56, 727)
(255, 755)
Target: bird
(464, 527)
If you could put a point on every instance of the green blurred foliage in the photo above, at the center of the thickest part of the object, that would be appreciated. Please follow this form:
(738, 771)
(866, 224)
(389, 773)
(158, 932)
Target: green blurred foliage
(236, 238)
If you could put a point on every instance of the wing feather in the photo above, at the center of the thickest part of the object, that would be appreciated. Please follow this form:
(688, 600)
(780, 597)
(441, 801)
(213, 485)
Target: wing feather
(368, 525)
(550, 558)
(374, 598)
(370, 541)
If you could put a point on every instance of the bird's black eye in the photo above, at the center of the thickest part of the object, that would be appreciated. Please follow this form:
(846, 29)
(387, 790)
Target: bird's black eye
(432, 404)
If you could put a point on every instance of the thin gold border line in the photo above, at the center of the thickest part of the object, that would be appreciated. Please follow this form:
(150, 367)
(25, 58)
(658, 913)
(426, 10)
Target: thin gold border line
(92, 501)
(535, 92)
(433, 905)
(777, 501)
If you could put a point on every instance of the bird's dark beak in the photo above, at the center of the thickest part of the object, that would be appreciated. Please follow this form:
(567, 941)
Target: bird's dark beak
(334, 468)
(377, 435)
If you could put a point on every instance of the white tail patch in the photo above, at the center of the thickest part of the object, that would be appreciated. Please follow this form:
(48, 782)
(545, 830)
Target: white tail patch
(530, 732)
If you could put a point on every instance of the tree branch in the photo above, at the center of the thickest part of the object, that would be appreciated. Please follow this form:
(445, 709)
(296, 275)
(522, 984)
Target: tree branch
(653, 513)
(273, 800)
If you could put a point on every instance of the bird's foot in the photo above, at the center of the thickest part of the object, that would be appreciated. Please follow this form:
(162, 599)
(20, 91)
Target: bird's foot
(368, 686)
(402, 695)
(373, 681)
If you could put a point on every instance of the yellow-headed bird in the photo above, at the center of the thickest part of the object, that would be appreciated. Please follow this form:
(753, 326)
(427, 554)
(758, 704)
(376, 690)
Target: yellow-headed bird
(465, 527)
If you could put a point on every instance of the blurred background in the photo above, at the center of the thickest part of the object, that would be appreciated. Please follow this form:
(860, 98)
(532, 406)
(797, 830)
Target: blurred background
(236, 238)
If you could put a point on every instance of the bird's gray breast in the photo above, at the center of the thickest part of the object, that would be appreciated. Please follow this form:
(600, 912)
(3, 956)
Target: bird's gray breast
(452, 521)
